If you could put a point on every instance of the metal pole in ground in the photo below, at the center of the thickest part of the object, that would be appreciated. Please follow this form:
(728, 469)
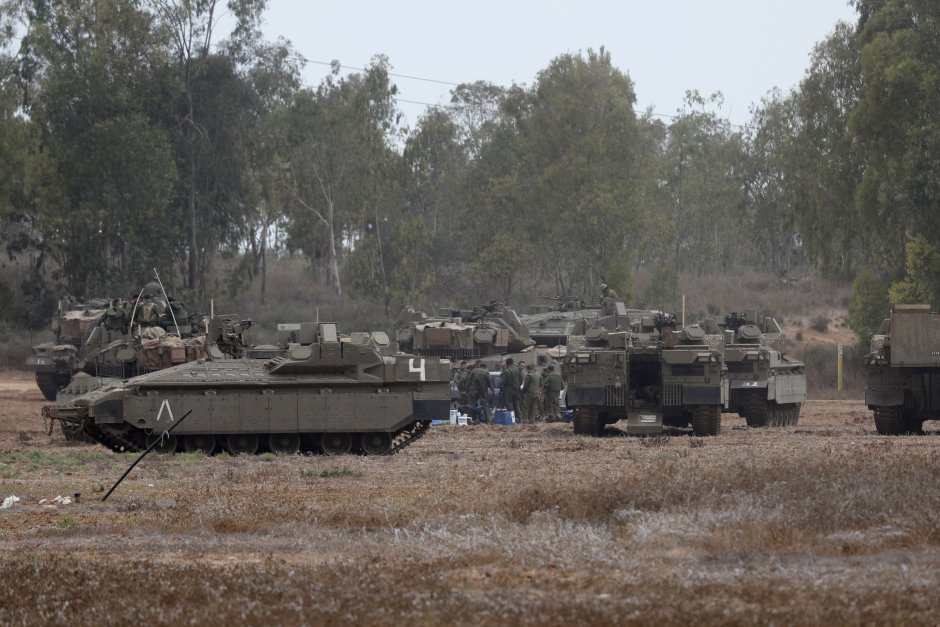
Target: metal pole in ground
(144, 454)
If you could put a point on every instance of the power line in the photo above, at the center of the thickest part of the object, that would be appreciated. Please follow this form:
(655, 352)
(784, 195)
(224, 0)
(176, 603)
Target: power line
(452, 84)
(359, 69)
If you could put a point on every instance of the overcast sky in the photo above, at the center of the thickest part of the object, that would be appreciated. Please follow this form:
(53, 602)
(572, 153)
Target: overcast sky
(742, 48)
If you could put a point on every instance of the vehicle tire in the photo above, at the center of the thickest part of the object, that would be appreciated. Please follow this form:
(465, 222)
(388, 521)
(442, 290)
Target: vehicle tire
(757, 411)
(587, 422)
(706, 420)
(888, 421)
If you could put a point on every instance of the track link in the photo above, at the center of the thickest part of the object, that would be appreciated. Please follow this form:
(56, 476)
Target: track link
(408, 435)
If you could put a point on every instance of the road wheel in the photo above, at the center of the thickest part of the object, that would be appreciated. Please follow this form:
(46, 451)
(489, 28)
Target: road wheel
(165, 446)
(888, 421)
(242, 443)
(587, 422)
(706, 420)
(376, 443)
(199, 442)
(284, 443)
(757, 410)
(336, 443)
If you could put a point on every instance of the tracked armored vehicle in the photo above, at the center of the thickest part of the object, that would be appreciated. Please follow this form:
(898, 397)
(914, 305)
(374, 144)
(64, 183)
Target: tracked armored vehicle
(903, 371)
(455, 334)
(767, 387)
(84, 344)
(322, 394)
(55, 362)
(652, 377)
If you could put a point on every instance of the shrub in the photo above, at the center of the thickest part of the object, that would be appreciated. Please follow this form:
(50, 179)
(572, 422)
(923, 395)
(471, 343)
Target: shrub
(819, 323)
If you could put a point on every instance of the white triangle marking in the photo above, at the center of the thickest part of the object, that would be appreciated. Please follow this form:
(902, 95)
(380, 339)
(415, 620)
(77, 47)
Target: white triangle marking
(165, 405)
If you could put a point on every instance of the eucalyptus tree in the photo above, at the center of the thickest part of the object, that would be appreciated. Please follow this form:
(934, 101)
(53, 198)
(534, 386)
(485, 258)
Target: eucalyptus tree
(207, 134)
(702, 160)
(434, 166)
(897, 118)
(559, 183)
(103, 171)
(768, 235)
(829, 159)
(344, 191)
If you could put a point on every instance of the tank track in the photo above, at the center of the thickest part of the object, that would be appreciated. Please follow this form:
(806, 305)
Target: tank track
(113, 439)
(409, 435)
(75, 432)
(128, 443)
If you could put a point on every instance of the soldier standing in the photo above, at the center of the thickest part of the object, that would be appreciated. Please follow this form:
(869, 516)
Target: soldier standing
(510, 382)
(461, 379)
(114, 318)
(531, 384)
(608, 298)
(552, 387)
(478, 388)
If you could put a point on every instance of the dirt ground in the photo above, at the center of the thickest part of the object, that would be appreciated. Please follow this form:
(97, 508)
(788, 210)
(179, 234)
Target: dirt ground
(825, 522)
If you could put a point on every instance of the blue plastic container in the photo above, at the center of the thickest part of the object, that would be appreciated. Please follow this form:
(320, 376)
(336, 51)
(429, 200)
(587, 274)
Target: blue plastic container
(502, 418)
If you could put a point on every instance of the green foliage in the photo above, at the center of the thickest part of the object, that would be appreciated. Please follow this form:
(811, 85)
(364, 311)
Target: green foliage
(868, 306)
(663, 289)
(922, 275)
(620, 278)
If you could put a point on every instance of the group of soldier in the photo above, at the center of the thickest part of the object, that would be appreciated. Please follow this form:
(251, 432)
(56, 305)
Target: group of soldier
(144, 311)
(530, 393)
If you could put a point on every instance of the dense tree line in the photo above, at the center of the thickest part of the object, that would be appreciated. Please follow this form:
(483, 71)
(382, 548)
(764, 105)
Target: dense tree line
(135, 134)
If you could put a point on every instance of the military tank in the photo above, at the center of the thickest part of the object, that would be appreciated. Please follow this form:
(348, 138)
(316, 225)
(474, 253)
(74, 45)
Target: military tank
(903, 371)
(324, 393)
(487, 330)
(652, 376)
(767, 386)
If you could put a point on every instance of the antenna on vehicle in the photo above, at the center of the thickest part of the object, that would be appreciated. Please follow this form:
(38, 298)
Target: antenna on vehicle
(167, 298)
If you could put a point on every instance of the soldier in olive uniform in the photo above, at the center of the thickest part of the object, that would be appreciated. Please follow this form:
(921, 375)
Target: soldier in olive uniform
(608, 298)
(531, 385)
(114, 319)
(510, 382)
(461, 378)
(552, 386)
(478, 389)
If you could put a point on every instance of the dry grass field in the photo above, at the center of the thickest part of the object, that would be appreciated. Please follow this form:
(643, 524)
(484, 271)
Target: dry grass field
(821, 523)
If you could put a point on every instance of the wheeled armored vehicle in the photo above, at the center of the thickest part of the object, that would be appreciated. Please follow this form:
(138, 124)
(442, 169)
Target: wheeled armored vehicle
(767, 387)
(652, 377)
(903, 370)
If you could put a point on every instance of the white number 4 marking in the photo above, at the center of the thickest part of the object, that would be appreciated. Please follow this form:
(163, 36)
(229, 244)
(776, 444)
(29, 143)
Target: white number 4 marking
(419, 369)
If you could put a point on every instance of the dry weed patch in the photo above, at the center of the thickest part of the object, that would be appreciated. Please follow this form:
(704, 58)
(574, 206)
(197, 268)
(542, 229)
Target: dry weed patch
(822, 523)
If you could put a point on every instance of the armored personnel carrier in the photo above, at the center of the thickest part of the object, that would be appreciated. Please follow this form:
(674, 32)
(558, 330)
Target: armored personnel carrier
(55, 362)
(322, 394)
(767, 386)
(455, 334)
(652, 376)
(903, 370)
